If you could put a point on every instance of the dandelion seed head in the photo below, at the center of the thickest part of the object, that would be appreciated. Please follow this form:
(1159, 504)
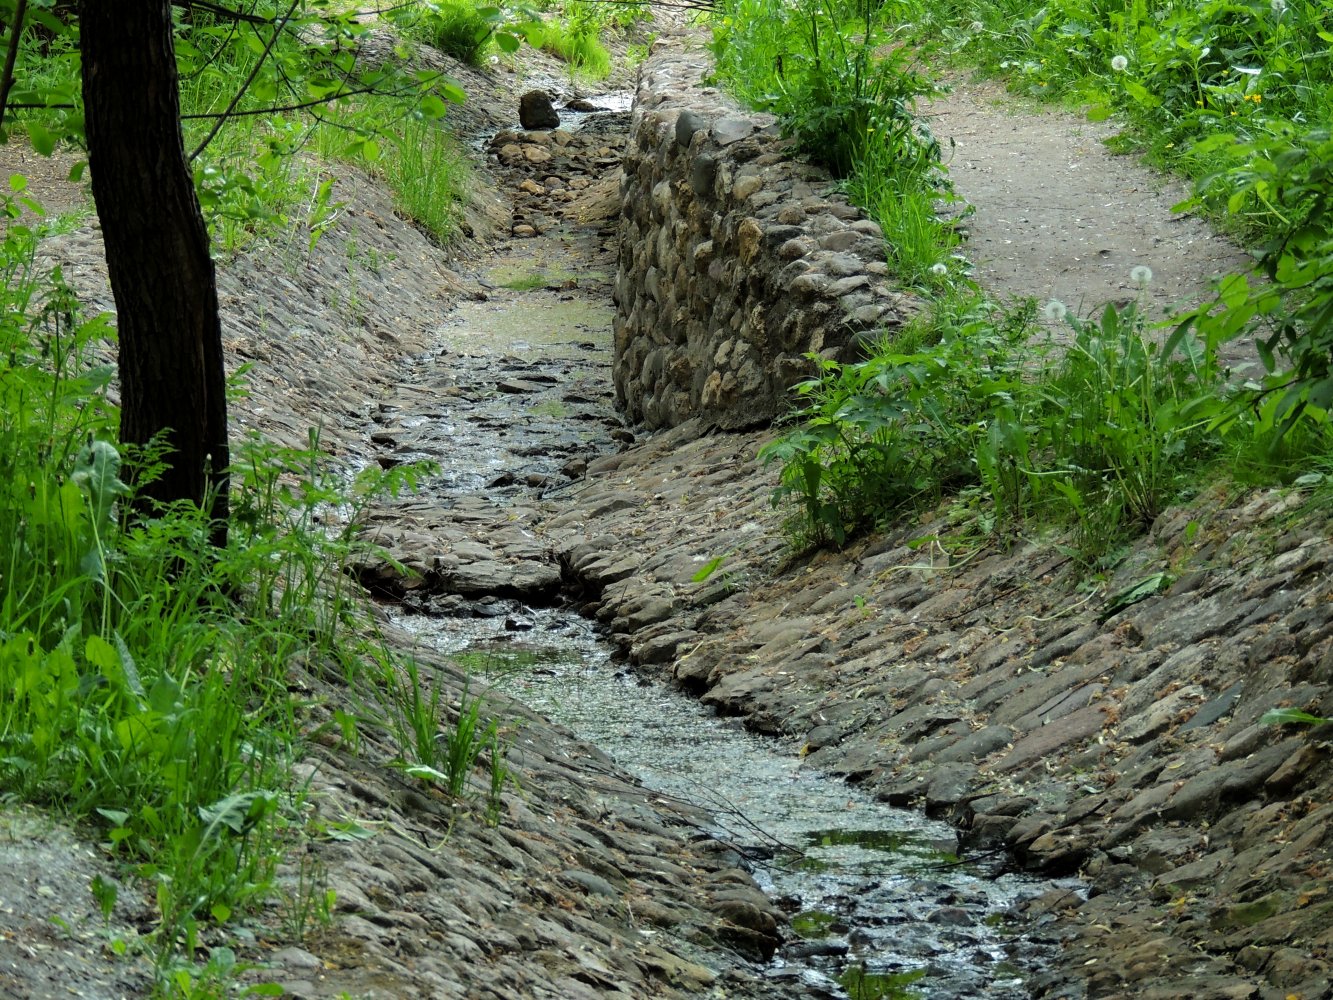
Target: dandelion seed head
(1120, 63)
(1279, 7)
(976, 26)
(939, 270)
(1055, 310)
(1141, 275)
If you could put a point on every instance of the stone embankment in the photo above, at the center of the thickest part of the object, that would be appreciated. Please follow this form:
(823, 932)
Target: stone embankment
(736, 260)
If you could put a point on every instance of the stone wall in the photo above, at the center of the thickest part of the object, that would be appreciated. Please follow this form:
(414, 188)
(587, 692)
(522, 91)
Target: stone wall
(736, 260)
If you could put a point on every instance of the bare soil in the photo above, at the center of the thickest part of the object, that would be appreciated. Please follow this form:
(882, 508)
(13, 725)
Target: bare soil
(1057, 215)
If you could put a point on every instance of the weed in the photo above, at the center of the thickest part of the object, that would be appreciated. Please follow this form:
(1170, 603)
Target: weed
(463, 744)
(501, 776)
(415, 712)
(527, 282)
(308, 904)
(576, 41)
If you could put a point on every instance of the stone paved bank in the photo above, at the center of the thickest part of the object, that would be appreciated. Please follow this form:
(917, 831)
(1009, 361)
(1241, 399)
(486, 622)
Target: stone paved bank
(1004, 691)
(735, 261)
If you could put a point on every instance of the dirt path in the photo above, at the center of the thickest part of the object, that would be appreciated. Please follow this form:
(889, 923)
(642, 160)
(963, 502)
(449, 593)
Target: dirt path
(1058, 216)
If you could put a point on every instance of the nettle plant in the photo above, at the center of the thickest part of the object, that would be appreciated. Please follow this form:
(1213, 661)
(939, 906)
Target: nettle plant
(1285, 185)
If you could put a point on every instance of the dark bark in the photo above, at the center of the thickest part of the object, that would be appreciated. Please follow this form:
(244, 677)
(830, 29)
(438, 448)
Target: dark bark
(171, 366)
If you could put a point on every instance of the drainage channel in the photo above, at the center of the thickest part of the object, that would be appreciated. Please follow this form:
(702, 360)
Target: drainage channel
(516, 394)
(879, 906)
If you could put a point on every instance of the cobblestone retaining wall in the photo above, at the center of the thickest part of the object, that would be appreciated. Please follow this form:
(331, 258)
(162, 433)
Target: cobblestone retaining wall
(736, 260)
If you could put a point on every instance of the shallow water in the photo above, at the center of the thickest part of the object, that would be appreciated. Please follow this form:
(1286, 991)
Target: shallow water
(873, 891)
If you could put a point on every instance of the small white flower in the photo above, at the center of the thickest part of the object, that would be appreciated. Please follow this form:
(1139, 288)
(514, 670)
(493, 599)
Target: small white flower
(495, 60)
(1141, 275)
(939, 270)
(976, 26)
(1055, 310)
(1120, 63)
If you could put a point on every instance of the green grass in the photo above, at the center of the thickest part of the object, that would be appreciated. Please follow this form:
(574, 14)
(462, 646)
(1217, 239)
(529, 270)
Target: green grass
(576, 42)
(428, 175)
(459, 28)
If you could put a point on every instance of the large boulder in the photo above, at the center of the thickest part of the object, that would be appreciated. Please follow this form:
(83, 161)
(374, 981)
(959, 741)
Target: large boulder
(535, 110)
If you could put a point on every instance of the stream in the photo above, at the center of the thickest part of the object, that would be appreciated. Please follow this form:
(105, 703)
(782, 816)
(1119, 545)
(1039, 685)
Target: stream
(879, 905)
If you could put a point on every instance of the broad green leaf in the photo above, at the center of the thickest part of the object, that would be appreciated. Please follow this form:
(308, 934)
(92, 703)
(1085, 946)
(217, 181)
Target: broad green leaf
(708, 569)
(238, 813)
(1136, 592)
(43, 139)
(1282, 716)
(432, 106)
(348, 830)
(100, 654)
(426, 772)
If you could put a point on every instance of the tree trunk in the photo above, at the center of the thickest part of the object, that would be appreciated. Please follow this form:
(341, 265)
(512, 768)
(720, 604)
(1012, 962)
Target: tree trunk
(172, 378)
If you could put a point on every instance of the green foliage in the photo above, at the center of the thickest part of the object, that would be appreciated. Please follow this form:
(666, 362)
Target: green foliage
(244, 87)
(1283, 716)
(893, 431)
(575, 39)
(824, 71)
(428, 175)
(145, 672)
(1100, 434)
(841, 88)
(458, 28)
(1289, 185)
(577, 29)
(446, 758)
(897, 178)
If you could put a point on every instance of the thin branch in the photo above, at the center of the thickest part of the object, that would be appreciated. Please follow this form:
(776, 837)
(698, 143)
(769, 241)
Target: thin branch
(15, 31)
(224, 12)
(232, 32)
(263, 57)
(313, 103)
